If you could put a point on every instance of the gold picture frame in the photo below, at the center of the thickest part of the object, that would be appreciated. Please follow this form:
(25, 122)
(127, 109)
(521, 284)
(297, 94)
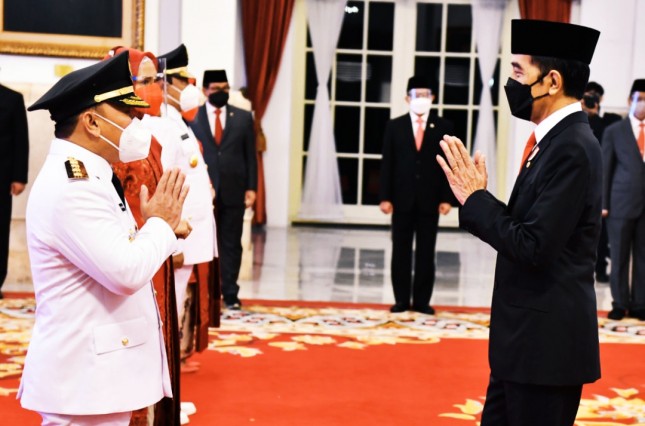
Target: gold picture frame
(23, 42)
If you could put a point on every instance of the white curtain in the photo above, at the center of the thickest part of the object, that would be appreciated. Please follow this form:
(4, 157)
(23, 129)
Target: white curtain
(321, 198)
(487, 27)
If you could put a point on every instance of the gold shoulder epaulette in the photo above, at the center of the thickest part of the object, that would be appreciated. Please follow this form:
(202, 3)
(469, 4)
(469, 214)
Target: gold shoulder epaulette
(75, 169)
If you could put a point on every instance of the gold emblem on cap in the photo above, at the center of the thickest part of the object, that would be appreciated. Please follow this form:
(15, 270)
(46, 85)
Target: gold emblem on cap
(125, 341)
(182, 71)
(194, 161)
(75, 169)
(113, 94)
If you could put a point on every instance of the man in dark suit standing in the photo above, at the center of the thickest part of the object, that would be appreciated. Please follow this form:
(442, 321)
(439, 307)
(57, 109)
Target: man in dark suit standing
(14, 162)
(544, 328)
(414, 190)
(599, 120)
(228, 140)
(623, 148)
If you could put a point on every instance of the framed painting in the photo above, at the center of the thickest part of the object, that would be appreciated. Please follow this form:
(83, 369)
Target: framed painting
(70, 28)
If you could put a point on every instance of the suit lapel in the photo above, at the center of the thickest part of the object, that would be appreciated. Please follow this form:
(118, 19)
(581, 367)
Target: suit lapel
(231, 116)
(542, 147)
(630, 138)
(205, 127)
(429, 135)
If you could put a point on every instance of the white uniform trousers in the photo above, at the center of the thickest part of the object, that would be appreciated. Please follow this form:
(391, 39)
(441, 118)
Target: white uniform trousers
(114, 419)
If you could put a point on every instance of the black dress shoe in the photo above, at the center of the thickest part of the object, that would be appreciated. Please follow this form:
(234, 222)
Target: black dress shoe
(616, 314)
(234, 306)
(639, 314)
(428, 310)
(398, 307)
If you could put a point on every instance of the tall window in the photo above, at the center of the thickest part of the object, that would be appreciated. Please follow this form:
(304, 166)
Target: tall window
(361, 84)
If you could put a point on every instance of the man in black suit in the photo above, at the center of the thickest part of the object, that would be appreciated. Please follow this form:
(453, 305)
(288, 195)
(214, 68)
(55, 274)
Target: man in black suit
(544, 328)
(598, 120)
(623, 146)
(14, 162)
(228, 140)
(414, 190)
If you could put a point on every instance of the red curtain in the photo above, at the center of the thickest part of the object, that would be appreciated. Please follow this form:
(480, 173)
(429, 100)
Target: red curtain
(265, 25)
(548, 10)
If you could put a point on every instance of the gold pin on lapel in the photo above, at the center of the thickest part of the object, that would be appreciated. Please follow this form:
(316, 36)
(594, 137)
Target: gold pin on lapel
(432, 125)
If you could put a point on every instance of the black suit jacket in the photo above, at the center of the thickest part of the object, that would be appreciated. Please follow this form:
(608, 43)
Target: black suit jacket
(624, 172)
(544, 327)
(232, 166)
(14, 138)
(410, 178)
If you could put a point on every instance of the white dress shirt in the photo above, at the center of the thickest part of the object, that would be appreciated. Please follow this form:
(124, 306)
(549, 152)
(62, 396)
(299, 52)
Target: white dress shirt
(210, 112)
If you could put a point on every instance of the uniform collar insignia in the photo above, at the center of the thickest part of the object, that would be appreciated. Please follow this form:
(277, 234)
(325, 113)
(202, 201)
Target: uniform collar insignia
(75, 169)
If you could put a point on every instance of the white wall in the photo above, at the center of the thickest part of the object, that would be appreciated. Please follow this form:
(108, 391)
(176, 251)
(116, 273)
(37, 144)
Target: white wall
(209, 32)
(619, 56)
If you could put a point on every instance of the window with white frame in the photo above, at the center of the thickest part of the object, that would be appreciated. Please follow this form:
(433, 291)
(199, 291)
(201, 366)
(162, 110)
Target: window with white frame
(363, 81)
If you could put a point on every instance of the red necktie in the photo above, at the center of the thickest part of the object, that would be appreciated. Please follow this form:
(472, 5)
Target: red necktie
(418, 137)
(527, 149)
(218, 127)
(641, 139)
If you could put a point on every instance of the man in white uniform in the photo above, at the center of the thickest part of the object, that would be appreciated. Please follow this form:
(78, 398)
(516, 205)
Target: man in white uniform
(183, 102)
(97, 351)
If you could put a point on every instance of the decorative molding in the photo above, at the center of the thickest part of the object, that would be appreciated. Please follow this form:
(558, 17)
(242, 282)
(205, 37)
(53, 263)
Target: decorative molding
(35, 44)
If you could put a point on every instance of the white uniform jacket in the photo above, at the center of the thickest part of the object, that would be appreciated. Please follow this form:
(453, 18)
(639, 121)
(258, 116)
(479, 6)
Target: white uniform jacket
(97, 345)
(181, 150)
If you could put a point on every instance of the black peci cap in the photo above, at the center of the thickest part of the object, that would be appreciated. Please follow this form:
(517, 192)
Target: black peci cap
(214, 76)
(419, 82)
(108, 80)
(638, 86)
(177, 61)
(553, 40)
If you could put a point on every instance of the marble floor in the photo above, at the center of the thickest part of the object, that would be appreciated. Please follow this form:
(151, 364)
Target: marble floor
(352, 265)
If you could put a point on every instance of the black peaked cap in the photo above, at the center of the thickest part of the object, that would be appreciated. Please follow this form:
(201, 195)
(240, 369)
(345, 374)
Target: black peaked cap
(108, 80)
(177, 61)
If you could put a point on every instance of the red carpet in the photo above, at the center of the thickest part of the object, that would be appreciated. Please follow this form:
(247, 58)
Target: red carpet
(321, 365)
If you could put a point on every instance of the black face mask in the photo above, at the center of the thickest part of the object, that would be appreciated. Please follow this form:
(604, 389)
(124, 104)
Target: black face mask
(520, 99)
(218, 99)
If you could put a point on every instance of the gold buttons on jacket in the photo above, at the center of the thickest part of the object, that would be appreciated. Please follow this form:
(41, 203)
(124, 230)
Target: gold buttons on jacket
(125, 341)
(194, 161)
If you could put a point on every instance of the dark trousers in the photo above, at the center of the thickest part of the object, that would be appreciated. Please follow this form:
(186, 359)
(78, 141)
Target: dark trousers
(515, 404)
(405, 225)
(5, 225)
(229, 230)
(603, 250)
(627, 239)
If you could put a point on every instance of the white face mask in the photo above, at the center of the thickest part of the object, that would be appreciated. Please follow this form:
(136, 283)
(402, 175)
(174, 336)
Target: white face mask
(188, 97)
(134, 143)
(420, 106)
